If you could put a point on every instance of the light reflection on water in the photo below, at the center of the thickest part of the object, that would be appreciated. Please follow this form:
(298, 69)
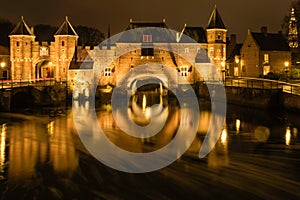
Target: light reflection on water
(49, 146)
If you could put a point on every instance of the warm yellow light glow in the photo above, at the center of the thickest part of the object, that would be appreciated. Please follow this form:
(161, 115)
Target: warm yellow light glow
(50, 63)
(223, 64)
(286, 63)
(237, 61)
(144, 103)
(2, 147)
(50, 127)
(2, 64)
(288, 136)
(224, 136)
(148, 113)
(238, 125)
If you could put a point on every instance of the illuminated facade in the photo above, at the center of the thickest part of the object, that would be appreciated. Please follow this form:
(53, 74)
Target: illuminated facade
(63, 59)
(264, 52)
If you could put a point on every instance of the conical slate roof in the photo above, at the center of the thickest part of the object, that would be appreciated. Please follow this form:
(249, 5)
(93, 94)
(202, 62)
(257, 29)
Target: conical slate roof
(215, 20)
(66, 29)
(22, 28)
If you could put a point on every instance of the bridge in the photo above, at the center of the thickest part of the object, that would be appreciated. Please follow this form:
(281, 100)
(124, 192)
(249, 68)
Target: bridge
(258, 83)
(22, 94)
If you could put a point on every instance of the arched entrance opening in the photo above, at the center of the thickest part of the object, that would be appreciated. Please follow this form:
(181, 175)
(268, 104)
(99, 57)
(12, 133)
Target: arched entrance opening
(44, 69)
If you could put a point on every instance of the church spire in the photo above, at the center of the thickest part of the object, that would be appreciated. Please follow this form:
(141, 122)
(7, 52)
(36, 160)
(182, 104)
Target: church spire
(293, 30)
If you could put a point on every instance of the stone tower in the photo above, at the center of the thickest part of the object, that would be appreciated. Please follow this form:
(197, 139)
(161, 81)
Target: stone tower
(65, 46)
(293, 31)
(216, 39)
(21, 41)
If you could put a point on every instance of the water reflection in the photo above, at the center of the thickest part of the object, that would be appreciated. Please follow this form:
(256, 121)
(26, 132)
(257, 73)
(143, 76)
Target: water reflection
(32, 145)
(2, 149)
(288, 136)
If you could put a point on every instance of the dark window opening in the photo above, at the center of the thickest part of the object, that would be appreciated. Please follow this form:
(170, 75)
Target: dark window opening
(18, 43)
(63, 43)
(147, 52)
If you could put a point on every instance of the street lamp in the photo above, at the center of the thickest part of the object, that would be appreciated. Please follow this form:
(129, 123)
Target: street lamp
(286, 69)
(2, 64)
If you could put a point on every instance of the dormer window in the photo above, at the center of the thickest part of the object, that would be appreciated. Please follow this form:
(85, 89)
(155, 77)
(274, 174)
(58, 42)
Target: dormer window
(147, 38)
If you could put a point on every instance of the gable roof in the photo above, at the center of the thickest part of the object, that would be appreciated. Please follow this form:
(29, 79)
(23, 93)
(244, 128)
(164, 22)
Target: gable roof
(215, 20)
(141, 24)
(270, 41)
(196, 33)
(66, 29)
(235, 52)
(22, 28)
(158, 30)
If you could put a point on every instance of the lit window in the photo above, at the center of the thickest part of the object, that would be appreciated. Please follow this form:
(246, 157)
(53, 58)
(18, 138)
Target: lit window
(266, 58)
(211, 49)
(184, 71)
(147, 38)
(108, 71)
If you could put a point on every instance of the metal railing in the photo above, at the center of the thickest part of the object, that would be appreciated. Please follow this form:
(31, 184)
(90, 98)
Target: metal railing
(39, 82)
(258, 83)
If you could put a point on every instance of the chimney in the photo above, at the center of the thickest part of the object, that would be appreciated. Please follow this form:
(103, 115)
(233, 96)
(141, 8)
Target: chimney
(233, 38)
(264, 30)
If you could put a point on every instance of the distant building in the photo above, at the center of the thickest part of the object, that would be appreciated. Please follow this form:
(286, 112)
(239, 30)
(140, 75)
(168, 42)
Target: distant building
(63, 59)
(233, 58)
(264, 52)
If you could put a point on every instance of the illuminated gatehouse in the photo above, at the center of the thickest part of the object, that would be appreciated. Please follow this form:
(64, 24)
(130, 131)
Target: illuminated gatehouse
(63, 59)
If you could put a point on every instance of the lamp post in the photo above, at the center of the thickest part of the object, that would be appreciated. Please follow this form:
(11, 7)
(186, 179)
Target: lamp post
(2, 64)
(286, 69)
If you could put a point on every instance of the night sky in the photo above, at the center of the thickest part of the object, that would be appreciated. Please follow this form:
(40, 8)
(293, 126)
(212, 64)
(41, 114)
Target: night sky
(238, 15)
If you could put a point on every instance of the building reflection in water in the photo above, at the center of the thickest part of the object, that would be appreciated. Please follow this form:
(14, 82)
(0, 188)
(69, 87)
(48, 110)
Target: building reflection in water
(238, 125)
(2, 149)
(219, 157)
(288, 136)
(32, 146)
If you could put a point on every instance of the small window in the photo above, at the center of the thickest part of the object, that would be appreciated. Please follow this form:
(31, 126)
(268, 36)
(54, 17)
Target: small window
(184, 71)
(147, 52)
(266, 58)
(186, 50)
(63, 43)
(147, 38)
(219, 37)
(211, 49)
(18, 43)
(107, 71)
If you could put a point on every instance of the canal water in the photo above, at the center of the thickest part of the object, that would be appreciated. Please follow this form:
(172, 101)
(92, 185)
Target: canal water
(257, 156)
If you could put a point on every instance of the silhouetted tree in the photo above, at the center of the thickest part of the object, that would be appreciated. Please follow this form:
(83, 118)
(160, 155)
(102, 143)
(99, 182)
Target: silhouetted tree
(89, 36)
(5, 28)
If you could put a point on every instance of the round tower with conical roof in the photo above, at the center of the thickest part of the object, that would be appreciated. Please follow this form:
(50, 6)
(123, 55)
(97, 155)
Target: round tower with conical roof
(65, 46)
(21, 41)
(216, 39)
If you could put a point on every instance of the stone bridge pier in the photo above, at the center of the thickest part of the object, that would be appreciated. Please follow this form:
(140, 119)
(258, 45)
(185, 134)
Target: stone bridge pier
(20, 98)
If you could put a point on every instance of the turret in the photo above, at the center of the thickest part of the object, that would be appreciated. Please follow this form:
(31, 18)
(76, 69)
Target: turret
(21, 41)
(65, 44)
(216, 38)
